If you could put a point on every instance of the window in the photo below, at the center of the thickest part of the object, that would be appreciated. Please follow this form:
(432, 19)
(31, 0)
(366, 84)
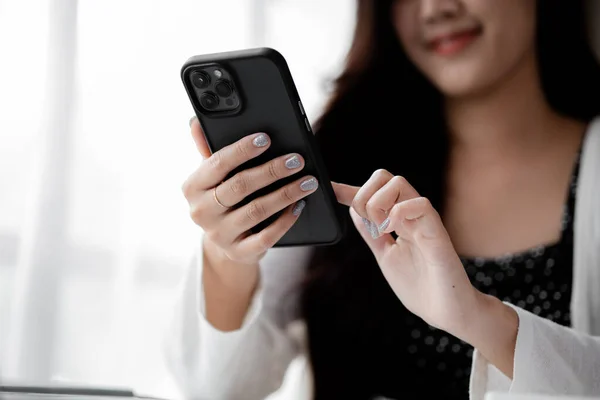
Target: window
(94, 231)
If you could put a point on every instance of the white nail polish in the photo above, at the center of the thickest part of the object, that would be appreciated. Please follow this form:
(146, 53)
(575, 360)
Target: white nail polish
(372, 228)
(298, 207)
(293, 162)
(261, 140)
(309, 184)
(384, 225)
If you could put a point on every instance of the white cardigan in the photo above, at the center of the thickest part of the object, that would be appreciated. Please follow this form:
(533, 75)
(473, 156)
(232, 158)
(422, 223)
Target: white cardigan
(250, 363)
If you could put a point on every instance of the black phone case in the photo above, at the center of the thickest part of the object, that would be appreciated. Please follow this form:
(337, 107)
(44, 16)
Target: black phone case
(270, 103)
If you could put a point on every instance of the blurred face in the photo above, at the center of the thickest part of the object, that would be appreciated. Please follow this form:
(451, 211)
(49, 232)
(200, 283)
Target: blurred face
(466, 46)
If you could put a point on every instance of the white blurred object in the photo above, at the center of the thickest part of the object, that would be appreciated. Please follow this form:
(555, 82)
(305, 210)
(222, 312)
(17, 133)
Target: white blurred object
(520, 396)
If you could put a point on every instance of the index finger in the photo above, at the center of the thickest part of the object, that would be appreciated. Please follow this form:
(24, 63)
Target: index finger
(215, 168)
(344, 193)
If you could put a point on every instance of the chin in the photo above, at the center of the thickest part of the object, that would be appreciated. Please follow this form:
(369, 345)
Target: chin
(455, 89)
(463, 83)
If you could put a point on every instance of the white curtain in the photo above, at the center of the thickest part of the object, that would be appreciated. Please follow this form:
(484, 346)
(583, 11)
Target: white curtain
(94, 146)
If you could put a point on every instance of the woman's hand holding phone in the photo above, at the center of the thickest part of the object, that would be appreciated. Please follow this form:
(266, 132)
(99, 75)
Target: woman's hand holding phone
(231, 251)
(212, 197)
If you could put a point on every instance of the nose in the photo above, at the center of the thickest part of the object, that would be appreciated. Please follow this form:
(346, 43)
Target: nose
(435, 10)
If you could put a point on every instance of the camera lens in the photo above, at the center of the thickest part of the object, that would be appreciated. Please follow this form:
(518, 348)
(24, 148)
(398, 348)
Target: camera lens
(223, 88)
(209, 100)
(200, 79)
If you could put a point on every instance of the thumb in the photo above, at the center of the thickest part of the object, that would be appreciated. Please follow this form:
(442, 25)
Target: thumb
(421, 221)
(198, 136)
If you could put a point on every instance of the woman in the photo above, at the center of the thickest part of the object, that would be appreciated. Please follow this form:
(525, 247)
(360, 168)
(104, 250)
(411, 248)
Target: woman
(480, 109)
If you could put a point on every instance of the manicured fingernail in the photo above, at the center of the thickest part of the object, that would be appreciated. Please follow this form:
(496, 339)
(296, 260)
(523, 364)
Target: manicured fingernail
(192, 120)
(292, 162)
(261, 140)
(309, 184)
(384, 225)
(298, 207)
(371, 227)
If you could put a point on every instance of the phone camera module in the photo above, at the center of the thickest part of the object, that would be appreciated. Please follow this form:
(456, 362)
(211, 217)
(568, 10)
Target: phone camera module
(200, 79)
(214, 89)
(224, 88)
(209, 100)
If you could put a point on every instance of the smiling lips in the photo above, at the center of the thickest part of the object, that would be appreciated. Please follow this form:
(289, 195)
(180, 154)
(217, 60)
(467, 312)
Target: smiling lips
(453, 43)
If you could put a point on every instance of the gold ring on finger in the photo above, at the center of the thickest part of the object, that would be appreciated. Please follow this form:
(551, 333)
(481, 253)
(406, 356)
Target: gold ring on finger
(217, 199)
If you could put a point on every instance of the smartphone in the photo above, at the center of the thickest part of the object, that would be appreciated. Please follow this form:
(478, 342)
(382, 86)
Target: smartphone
(238, 93)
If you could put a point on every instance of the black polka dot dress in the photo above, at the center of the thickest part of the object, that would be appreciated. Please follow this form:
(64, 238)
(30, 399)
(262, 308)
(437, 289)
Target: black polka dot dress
(538, 280)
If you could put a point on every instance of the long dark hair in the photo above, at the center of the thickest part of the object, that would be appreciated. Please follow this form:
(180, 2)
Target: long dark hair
(385, 114)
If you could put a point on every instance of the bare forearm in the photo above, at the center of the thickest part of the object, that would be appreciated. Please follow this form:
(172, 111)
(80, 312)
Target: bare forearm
(493, 332)
(228, 289)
